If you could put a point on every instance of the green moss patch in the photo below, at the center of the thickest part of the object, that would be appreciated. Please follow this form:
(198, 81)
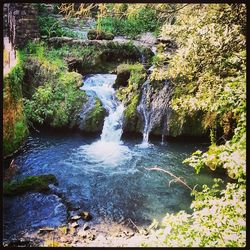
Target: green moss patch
(94, 121)
(29, 184)
(99, 35)
(130, 93)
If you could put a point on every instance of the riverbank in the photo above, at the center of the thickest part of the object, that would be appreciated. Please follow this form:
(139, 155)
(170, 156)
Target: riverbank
(87, 235)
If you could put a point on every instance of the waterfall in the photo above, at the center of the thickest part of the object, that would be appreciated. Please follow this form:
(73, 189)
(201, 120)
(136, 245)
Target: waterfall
(109, 149)
(154, 108)
(101, 86)
(144, 109)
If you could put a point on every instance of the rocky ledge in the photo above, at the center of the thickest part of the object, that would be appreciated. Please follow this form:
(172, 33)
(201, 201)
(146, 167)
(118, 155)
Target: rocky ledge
(79, 233)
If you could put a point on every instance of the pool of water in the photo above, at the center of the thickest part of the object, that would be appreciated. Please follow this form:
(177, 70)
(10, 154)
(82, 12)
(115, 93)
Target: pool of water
(108, 179)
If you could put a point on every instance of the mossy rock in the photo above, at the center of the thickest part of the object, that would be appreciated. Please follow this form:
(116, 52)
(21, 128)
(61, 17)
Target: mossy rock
(95, 119)
(130, 94)
(187, 125)
(38, 183)
(147, 53)
(129, 77)
(99, 35)
(123, 74)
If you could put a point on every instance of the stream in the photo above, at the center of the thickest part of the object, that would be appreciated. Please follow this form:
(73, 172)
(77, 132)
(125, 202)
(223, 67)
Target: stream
(105, 176)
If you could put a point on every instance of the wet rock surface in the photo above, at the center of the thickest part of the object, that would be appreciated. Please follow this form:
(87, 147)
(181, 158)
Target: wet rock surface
(101, 235)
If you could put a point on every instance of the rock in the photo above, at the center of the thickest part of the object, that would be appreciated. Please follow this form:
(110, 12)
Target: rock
(75, 218)
(30, 184)
(72, 230)
(64, 230)
(144, 231)
(66, 239)
(82, 233)
(129, 233)
(23, 243)
(147, 54)
(86, 215)
(46, 229)
(85, 226)
(91, 236)
(92, 115)
(123, 74)
(99, 35)
(75, 225)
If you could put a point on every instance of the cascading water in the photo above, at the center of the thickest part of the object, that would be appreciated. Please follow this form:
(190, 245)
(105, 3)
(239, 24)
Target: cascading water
(144, 109)
(154, 108)
(109, 148)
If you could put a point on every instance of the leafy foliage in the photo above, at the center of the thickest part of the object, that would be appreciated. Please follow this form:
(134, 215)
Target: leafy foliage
(143, 19)
(120, 19)
(208, 71)
(58, 98)
(211, 76)
(218, 220)
(51, 27)
(14, 120)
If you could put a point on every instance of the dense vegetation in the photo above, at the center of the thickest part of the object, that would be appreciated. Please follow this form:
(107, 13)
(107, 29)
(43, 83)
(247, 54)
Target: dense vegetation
(57, 96)
(119, 19)
(15, 128)
(209, 73)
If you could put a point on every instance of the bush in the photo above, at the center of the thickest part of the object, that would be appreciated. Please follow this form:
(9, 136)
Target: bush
(14, 121)
(143, 20)
(57, 97)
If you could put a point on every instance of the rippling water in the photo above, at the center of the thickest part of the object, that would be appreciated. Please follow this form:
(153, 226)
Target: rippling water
(108, 179)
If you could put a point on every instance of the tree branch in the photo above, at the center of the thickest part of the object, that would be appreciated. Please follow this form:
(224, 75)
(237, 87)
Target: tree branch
(176, 179)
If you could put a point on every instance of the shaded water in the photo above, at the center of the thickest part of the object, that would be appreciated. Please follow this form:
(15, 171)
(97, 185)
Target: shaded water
(113, 186)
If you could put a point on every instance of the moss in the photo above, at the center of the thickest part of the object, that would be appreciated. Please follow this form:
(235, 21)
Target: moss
(131, 108)
(95, 119)
(95, 57)
(29, 184)
(53, 94)
(186, 125)
(14, 80)
(99, 35)
(15, 128)
(130, 94)
(137, 76)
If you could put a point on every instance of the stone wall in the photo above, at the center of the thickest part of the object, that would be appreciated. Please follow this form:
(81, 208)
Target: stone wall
(20, 23)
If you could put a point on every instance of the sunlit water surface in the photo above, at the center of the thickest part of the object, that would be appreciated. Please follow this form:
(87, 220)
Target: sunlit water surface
(108, 179)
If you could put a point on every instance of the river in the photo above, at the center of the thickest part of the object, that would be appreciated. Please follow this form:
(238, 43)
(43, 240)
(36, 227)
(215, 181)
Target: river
(105, 176)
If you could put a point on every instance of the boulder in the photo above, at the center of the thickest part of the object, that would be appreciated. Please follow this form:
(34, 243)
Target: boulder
(123, 74)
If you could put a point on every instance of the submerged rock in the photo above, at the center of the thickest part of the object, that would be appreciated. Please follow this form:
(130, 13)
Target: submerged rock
(75, 218)
(38, 183)
(86, 215)
(46, 230)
